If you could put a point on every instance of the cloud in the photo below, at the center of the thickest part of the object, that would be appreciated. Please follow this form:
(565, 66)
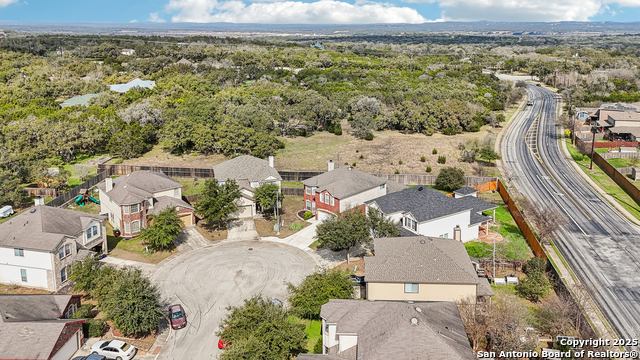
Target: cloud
(153, 17)
(291, 12)
(4, 3)
(133, 21)
(525, 10)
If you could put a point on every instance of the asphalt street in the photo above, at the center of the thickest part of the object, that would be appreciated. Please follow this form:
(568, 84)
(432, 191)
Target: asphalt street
(598, 242)
(208, 280)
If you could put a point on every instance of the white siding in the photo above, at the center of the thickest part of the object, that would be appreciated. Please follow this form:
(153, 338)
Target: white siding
(169, 193)
(331, 336)
(110, 207)
(37, 263)
(347, 342)
(360, 198)
(445, 225)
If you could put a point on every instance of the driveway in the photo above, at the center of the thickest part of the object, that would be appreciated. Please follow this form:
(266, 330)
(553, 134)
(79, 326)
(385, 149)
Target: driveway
(206, 281)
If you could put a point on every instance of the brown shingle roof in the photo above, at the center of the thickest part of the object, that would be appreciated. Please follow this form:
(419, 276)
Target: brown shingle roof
(344, 182)
(385, 331)
(138, 186)
(246, 167)
(43, 227)
(419, 259)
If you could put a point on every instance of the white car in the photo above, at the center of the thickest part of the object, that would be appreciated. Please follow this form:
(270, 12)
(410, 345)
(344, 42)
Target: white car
(114, 349)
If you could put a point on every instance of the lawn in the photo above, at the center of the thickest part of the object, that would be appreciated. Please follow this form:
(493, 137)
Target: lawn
(89, 207)
(15, 289)
(292, 184)
(134, 249)
(618, 163)
(313, 329)
(290, 206)
(605, 182)
(189, 187)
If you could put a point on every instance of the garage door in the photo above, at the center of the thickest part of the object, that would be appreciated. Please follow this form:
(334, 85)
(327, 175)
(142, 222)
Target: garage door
(68, 349)
(245, 211)
(323, 215)
(187, 220)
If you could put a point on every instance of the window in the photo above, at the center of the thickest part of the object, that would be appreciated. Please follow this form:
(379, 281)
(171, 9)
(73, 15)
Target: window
(326, 350)
(326, 327)
(23, 274)
(332, 202)
(411, 224)
(313, 191)
(95, 230)
(61, 252)
(135, 226)
(67, 250)
(127, 228)
(71, 310)
(444, 236)
(88, 233)
(18, 252)
(135, 208)
(410, 288)
(63, 275)
(308, 205)
(176, 192)
(321, 197)
(382, 186)
(307, 190)
(125, 209)
(111, 217)
(254, 184)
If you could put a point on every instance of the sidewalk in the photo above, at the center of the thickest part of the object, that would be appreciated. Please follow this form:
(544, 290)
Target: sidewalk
(302, 239)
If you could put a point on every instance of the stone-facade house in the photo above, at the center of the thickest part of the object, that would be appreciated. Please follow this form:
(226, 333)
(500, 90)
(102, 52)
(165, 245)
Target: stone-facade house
(38, 247)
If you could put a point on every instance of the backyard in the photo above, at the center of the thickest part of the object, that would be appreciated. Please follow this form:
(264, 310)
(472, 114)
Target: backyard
(134, 249)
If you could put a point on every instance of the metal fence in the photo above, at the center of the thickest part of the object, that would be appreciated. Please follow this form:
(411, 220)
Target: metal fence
(47, 192)
(73, 193)
(182, 172)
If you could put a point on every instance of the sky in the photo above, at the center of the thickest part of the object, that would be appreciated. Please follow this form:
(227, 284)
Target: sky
(318, 11)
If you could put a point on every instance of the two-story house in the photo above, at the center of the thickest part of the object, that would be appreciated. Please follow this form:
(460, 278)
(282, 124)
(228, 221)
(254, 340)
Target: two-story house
(38, 246)
(341, 189)
(424, 211)
(39, 327)
(382, 330)
(130, 199)
(249, 172)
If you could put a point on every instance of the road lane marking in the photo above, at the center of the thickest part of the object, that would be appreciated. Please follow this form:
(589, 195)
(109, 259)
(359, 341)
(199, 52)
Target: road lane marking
(562, 207)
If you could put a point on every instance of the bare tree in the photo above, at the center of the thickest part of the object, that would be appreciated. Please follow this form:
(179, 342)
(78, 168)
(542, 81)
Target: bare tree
(476, 320)
(545, 220)
(506, 330)
(82, 171)
(558, 315)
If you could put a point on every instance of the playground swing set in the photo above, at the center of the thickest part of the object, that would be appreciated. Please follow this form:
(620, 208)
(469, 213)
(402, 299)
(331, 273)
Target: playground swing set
(84, 197)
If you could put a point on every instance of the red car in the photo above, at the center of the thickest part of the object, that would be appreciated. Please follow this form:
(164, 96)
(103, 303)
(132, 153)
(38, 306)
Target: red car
(222, 344)
(177, 316)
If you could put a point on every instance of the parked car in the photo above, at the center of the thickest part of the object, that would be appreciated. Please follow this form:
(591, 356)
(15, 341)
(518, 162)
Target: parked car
(114, 349)
(177, 316)
(91, 357)
(537, 84)
(6, 211)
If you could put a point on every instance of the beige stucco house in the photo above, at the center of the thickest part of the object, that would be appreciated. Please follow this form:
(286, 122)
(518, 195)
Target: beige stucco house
(421, 268)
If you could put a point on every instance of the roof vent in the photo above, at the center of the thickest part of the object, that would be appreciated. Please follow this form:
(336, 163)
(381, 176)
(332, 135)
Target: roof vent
(420, 188)
(418, 310)
(414, 321)
(422, 241)
(125, 187)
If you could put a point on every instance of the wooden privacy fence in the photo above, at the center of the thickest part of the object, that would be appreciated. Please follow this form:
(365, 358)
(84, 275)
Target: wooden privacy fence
(46, 192)
(522, 224)
(298, 175)
(183, 172)
(73, 193)
(292, 191)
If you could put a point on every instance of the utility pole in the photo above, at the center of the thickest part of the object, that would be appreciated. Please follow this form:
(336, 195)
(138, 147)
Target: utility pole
(593, 144)
(277, 212)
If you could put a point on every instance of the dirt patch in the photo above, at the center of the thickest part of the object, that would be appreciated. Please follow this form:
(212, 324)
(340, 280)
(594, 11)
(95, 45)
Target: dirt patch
(211, 233)
(21, 290)
(355, 263)
(290, 206)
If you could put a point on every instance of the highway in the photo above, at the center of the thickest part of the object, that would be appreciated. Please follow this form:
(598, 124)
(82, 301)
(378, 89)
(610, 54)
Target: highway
(600, 245)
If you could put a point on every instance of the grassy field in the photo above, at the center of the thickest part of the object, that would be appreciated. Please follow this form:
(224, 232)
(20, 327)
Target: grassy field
(189, 187)
(134, 249)
(313, 329)
(292, 184)
(605, 182)
(382, 154)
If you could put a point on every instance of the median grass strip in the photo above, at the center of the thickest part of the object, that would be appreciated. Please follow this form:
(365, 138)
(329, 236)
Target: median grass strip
(605, 182)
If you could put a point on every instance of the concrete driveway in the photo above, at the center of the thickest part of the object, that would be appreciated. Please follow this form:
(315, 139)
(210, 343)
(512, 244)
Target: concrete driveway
(206, 281)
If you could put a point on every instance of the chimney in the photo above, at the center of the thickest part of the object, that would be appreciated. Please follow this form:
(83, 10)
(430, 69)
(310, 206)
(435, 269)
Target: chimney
(330, 165)
(271, 161)
(39, 201)
(108, 182)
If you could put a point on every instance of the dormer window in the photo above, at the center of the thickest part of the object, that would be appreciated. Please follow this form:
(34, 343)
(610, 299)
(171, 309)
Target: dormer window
(410, 224)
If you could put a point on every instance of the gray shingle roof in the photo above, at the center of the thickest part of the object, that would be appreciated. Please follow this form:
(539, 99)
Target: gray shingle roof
(344, 182)
(30, 327)
(484, 288)
(478, 219)
(44, 228)
(385, 331)
(466, 191)
(138, 186)
(419, 259)
(163, 202)
(245, 167)
(477, 205)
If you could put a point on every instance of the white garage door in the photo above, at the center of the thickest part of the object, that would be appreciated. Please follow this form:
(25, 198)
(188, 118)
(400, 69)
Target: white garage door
(245, 211)
(68, 349)
(323, 215)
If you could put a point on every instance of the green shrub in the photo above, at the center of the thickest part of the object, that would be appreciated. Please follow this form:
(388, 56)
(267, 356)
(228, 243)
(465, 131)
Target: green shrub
(317, 348)
(396, 172)
(117, 161)
(361, 156)
(307, 215)
(93, 328)
(357, 150)
(353, 165)
(84, 312)
(434, 151)
(338, 131)
(450, 178)
(449, 131)
(442, 159)
(346, 163)
(428, 169)
(423, 159)
(400, 162)
(369, 137)
(295, 226)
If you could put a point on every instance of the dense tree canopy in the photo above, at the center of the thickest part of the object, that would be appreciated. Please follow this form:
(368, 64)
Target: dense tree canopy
(218, 201)
(164, 228)
(316, 289)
